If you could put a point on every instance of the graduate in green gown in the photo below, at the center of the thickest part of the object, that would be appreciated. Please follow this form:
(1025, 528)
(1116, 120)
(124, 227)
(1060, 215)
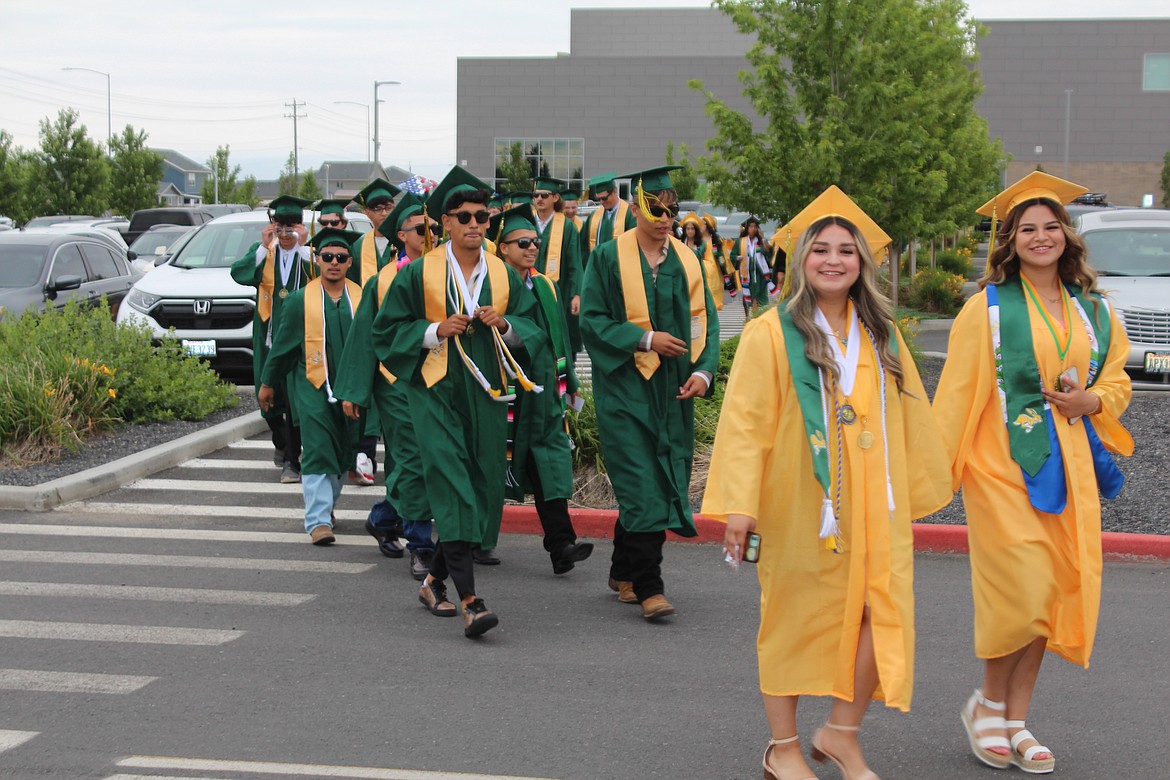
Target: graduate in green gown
(373, 250)
(447, 331)
(331, 213)
(373, 394)
(651, 330)
(560, 252)
(307, 347)
(571, 200)
(277, 265)
(608, 222)
(540, 457)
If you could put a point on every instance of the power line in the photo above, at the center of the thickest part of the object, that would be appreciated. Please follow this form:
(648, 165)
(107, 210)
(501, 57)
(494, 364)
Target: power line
(295, 116)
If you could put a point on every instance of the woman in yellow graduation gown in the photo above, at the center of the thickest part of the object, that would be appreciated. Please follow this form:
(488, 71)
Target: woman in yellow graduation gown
(1023, 455)
(824, 401)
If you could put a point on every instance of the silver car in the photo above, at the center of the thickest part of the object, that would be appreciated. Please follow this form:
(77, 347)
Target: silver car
(1130, 248)
(194, 294)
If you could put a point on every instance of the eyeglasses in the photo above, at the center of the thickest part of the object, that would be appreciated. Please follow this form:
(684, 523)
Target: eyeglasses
(421, 230)
(541, 195)
(284, 230)
(524, 243)
(381, 208)
(661, 211)
(331, 222)
(464, 217)
(331, 257)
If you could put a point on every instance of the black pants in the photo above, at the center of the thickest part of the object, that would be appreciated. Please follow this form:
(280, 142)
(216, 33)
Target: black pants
(286, 437)
(369, 446)
(553, 514)
(453, 559)
(637, 558)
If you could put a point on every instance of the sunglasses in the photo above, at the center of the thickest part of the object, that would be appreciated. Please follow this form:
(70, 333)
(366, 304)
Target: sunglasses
(282, 230)
(330, 222)
(524, 243)
(331, 257)
(421, 230)
(661, 211)
(541, 195)
(464, 217)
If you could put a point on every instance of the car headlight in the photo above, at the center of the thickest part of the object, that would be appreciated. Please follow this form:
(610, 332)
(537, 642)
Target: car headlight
(142, 301)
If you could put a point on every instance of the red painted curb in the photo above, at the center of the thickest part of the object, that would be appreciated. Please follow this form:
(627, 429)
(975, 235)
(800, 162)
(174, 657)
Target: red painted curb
(928, 537)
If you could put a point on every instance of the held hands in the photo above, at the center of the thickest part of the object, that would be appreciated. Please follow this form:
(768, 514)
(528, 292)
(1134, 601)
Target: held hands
(454, 325)
(694, 387)
(488, 316)
(667, 345)
(351, 410)
(1074, 402)
(735, 537)
(265, 397)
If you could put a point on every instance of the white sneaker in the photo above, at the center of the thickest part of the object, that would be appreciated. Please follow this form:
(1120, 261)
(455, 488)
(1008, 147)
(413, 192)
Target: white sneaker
(363, 473)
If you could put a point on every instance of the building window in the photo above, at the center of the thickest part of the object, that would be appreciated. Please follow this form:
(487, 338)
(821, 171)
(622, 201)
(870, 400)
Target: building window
(1156, 73)
(560, 158)
(190, 181)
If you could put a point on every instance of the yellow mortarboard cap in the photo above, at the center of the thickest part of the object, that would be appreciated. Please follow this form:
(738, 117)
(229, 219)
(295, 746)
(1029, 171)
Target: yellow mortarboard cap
(1036, 184)
(834, 203)
(691, 217)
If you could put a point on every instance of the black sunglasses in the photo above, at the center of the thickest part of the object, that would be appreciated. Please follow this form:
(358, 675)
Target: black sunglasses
(464, 217)
(331, 257)
(524, 243)
(542, 195)
(421, 230)
(662, 211)
(330, 222)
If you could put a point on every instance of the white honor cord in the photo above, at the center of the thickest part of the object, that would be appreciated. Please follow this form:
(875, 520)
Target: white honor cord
(324, 332)
(885, 433)
(470, 297)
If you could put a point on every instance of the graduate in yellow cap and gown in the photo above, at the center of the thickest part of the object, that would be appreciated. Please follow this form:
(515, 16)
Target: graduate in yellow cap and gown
(1030, 402)
(827, 449)
(730, 276)
(692, 227)
(279, 264)
(453, 328)
(373, 250)
(307, 347)
(652, 333)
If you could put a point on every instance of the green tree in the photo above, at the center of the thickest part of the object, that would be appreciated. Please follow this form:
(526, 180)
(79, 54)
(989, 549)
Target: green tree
(15, 174)
(223, 173)
(1166, 181)
(135, 172)
(289, 182)
(516, 172)
(246, 193)
(686, 180)
(310, 189)
(876, 96)
(71, 176)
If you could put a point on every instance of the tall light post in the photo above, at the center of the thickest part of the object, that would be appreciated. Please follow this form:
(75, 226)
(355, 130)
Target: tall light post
(366, 106)
(1067, 126)
(326, 166)
(377, 143)
(109, 112)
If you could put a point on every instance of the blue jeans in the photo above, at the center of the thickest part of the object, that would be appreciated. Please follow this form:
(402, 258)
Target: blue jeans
(321, 494)
(385, 517)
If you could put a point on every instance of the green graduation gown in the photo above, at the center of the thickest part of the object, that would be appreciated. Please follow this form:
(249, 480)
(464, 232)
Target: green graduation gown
(328, 437)
(758, 279)
(464, 458)
(390, 253)
(647, 435)
(569, 277)
(360, 381)
(539, 418)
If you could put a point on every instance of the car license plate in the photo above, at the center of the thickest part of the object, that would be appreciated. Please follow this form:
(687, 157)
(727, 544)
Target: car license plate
(1158, 362)
(199, 348)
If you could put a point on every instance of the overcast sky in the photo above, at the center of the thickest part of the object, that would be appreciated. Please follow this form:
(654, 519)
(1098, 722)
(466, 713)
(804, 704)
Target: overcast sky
(203, 74)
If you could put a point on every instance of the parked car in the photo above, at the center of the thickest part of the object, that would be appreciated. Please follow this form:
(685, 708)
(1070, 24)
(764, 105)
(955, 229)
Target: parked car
(1130, 248)
(143, 219)
(54, 219)
(223, 209)
(195, 295)
(39, 270)
(155, 246)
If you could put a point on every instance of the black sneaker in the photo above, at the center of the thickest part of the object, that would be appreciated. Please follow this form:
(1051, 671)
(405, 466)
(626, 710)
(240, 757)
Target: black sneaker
(420, 564)
(478, 619)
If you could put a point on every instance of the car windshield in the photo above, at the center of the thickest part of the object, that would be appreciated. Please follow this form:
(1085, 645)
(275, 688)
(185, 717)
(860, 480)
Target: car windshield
(149, 243)
(217, 245)
(1133, 251)
(21, 266)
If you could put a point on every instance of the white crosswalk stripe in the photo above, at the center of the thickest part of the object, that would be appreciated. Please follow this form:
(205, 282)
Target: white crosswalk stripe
(70, 682)
(139, 593)
(162, 510)
(300, 770)
(107, 632)
(11, 739)
(181, 561)
(220, 486)
(190, 534)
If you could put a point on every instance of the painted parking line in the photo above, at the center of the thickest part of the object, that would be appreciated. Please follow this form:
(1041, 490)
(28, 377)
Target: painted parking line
(249, 598)
(11, 739)
(70, 682)
(112, 632)
(188, 534)
(181, 561)
(301, 770)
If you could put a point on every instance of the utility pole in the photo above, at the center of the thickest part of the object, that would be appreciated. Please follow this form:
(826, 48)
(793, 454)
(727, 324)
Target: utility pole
(295, 116)
(1067, 126)
(378, 143)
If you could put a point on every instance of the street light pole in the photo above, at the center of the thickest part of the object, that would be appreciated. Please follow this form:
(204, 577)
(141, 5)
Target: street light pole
(367, 108)
(1067, 125)
(326, 180)
(377, 143)
(109, 106)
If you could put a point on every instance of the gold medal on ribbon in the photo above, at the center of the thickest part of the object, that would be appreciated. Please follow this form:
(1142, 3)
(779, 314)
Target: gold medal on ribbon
(470, 329)
(283, 293)
(865, 440)
(847, 414)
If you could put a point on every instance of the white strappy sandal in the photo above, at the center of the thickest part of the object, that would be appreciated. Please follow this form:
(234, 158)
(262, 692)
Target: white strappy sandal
(1027, 760)
(981, 746)
(769, 773)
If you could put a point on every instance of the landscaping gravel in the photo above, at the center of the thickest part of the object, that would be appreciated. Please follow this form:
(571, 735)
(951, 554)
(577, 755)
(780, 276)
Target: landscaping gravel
(119, 443)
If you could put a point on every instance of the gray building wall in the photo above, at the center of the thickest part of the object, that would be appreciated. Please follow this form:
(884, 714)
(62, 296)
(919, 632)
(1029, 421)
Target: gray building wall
(626, 93)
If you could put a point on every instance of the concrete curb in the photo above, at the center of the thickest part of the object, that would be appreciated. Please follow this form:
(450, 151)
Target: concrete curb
(928, 537)
(110, 476)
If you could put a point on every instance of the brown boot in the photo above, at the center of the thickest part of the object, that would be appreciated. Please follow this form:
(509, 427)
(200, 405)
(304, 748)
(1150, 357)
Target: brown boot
(624, 589)
(656, 607)
(322, 534)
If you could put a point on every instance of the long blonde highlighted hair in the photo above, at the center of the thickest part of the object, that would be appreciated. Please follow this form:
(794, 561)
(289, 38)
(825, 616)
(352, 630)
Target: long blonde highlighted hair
(874, 309)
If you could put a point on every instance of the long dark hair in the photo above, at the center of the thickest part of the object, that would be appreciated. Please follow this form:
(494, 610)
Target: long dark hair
(1073, 265)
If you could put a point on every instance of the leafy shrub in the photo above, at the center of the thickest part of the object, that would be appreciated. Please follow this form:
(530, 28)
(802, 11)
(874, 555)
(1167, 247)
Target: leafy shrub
(908, 327)
(936, 290)
(955, 261)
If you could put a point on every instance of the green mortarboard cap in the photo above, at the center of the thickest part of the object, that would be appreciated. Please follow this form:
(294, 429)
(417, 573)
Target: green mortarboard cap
(332, 206)
(602, 182)
(495, 201)
(289, 206)
(457, 180)
(548, 183)
(570, 195)
(331, 236)
(410, 205)
(378, 188)
(518, 218)
(654, 179)
(518, 197)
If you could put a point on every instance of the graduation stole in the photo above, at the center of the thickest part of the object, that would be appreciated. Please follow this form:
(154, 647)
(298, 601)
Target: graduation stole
(369, 258)
(577, 223)
(546, 295)
(638, 308)
(619, 223)
(1031, 427)
(267, 283)
(552, 256)
(385, 277)
(316, 362)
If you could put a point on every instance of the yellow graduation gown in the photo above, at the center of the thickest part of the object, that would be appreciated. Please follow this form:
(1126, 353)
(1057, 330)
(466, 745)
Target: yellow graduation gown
(812, 599)
(1032, 574)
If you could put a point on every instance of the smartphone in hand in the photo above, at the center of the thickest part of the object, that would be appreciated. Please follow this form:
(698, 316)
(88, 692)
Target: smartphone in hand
(752, 553)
